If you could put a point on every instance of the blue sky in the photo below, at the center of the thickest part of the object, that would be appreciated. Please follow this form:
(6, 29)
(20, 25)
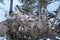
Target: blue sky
(5, 7)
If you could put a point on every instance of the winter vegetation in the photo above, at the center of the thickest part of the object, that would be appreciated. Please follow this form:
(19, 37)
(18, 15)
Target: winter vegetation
(30, 20)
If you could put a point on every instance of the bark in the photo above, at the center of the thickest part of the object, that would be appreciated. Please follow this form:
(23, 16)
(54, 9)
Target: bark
(9, 23)
(11, 6)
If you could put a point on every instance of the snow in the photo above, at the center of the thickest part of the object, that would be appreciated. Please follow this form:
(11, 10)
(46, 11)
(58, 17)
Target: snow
(58, 23)
(52, 19)
(31, 19)
(53, 6)
(57, 38)
(2, 17)
(48, 39)
(2, 38)
(5, 7)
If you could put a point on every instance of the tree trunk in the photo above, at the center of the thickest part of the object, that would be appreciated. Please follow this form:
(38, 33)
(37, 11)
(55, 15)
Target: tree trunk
(11, 6)
(8, 31)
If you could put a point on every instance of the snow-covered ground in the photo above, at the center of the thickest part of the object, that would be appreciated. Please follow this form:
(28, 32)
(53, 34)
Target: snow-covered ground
(2, 38)
(50, 7)
(4, 8)
(53, 6)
